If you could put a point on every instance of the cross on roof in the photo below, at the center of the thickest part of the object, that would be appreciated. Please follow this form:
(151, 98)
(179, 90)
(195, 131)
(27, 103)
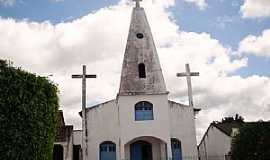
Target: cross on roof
(188, 74)
(137, 3)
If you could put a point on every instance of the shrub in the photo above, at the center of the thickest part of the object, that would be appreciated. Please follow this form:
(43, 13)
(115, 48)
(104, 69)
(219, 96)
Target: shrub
(28, 109)
(252, 142)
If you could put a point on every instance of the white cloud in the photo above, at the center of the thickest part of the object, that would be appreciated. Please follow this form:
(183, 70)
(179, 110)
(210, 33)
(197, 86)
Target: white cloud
(259, 46)
(255, 9)
(199, 3)
(98, 40)
(7, 2)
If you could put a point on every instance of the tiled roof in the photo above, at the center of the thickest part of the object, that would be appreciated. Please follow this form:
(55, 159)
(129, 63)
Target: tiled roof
(62, 131)
(226, 127)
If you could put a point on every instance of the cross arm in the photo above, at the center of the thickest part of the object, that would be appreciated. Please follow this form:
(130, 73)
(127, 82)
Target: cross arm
(86, 76)
(77, 76)
(187, 74)
(91, 76)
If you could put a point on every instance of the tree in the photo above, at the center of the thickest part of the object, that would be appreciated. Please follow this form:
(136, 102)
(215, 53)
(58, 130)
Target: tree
(237, 118)
(252, 142)
(28, 110)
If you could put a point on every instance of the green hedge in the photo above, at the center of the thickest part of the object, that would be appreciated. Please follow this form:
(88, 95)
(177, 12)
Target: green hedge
(252, 142)
(28, 110)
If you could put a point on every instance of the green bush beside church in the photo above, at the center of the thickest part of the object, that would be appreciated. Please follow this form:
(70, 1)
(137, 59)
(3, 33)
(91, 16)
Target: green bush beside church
(28, 109)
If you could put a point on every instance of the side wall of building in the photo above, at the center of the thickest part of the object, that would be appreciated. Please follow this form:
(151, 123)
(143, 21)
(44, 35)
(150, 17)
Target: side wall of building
(215, 145)
(102, 125)
(182, 124)
(67, 148)
(77, 137)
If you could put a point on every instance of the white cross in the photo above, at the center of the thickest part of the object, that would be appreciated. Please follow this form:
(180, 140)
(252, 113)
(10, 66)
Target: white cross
(137, 3)
(188, 74)
(84, 119)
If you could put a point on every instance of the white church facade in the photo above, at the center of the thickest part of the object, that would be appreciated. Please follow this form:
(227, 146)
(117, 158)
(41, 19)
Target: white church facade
(141, 123)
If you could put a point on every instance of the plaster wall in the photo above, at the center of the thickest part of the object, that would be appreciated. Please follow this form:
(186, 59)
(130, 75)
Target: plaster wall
(131, 129)
(182, 127)
(77, 137)
(215, 145)
(103, 125)
(115, 121)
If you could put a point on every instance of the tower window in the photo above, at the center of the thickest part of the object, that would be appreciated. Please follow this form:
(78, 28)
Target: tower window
(139, 35)
(141, 68)
(144, 111)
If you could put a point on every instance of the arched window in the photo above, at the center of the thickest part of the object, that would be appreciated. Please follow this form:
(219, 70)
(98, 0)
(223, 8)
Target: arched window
(107, 151)
(144, 111)
(141, 68)
(176, 149)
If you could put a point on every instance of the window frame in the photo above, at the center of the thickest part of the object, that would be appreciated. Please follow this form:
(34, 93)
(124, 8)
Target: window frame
(176, 144)
(144, 111)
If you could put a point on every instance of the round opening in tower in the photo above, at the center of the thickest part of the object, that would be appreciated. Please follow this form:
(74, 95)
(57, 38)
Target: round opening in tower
(139, 35)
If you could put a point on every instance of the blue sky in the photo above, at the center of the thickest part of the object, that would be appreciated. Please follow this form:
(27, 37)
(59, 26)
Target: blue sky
(52, 10)
(221, 19)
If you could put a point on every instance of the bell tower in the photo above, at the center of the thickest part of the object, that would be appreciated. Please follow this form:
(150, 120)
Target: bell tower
(142, 100)
(141, 71)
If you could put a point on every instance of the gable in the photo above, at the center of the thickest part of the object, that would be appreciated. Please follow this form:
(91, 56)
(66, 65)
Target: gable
(62, 131)
(226, 128)
(60, 119)
(172, 104)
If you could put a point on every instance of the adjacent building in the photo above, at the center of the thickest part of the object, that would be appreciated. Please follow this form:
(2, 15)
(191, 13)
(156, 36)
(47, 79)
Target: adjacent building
(67, 145)
(216, 142)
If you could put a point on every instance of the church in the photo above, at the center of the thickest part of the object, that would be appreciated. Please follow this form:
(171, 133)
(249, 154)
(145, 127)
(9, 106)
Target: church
(141, 123)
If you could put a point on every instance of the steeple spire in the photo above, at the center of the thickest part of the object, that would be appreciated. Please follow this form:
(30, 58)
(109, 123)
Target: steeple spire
(137, 3)
(141, 71)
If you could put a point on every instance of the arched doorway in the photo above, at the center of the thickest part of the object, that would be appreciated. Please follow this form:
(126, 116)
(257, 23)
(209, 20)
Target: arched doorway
(58, 152)
(176, 149)
(107, 151)
(141, 150)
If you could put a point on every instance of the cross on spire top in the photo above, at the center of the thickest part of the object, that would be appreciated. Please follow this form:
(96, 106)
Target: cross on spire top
(137, 3)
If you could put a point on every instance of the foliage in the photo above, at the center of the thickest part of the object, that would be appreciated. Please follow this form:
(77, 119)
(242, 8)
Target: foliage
(252, 142)
(28, 110)
(3, 63)
(237, 118)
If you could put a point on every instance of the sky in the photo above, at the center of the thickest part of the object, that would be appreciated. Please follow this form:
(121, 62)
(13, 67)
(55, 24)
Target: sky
(227, 41)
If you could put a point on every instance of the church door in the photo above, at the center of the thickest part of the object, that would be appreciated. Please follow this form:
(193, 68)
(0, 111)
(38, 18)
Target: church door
(77, 152)
(58, 152)
(141, 150)
(107, 151)
(176, 149)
